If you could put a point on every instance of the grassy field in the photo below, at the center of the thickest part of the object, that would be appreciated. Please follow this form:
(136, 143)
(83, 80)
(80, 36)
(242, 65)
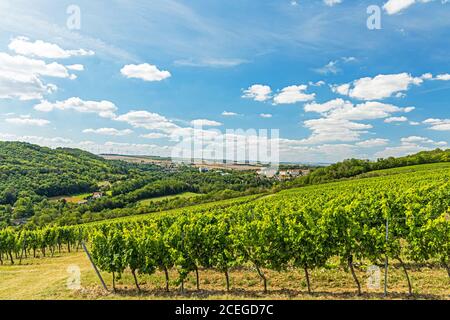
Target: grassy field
(46, 278)
(72, 199)
(185, 195)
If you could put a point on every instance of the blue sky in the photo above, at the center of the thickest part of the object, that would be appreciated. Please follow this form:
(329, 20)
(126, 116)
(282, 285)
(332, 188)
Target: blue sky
(311, 69)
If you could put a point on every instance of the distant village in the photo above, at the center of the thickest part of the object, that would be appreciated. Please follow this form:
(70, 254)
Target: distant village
(270, 172)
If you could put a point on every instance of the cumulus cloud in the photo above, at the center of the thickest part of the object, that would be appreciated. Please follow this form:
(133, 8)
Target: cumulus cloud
(104, 109)
(146, 72)
(331, 3)
(205, 123)
(438, 124)
(265, 115)
(27, 120)
(91, 146)
(258, 92)
(427, 76)
(395, 119)
(316, 84)
(147, 120)
(371, 143)
(328, 130)
(342, 89)
(293, 94)
(76, 67)
(328, 106)
(397, 6)
(153, 135)
(443, 77)
(339, 116)
(43, 141)
(229, 114)
(378, 87)
(22, 77)
(41, 49)
(410, 145)
(211, 62)
(330, 67)
(341, 109)
(333, 66)
(109, 131)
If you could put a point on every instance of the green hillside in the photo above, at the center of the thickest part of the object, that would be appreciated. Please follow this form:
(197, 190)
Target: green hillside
(30, 168)
(36, 182)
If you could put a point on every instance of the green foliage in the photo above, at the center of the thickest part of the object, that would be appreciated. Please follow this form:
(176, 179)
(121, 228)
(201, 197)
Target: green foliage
(298, 228)
(354, 167)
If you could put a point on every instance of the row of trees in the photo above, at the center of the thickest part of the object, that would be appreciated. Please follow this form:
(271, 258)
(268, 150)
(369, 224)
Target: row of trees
(277, 236)
(26, 243)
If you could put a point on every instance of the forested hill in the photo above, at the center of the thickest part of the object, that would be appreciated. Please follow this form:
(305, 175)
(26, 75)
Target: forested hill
(50, 172)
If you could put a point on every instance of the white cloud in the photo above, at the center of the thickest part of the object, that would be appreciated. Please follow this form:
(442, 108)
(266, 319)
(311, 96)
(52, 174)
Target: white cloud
(211, 62)
(153, 135)
(42, 141)
(293, 150)
(27, 121)
(333, 66)
(371, 143)
(342, 89)
(229, 114)
(131, 148)
(293, 94)
(146, 72)
(39, 48)
(323, 108)
(258, 92)
(438, 124)
(331, 3)
(395, 119)
(109, 131)
(348, 59)
(147, 120)
(21, 77)
(76, 67)
(105, 148)
(396, 6)
(345, 110)
(339, 116)
(401, 151)
(205, 123)
(427, 76)
(265, 115)
(104, 109)
(317, 84)
(410, 145)
(379, 87)
(330, 67)
(368, 111)
(443, 77)
(415, 139)
(414, 123)
(328, 129)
